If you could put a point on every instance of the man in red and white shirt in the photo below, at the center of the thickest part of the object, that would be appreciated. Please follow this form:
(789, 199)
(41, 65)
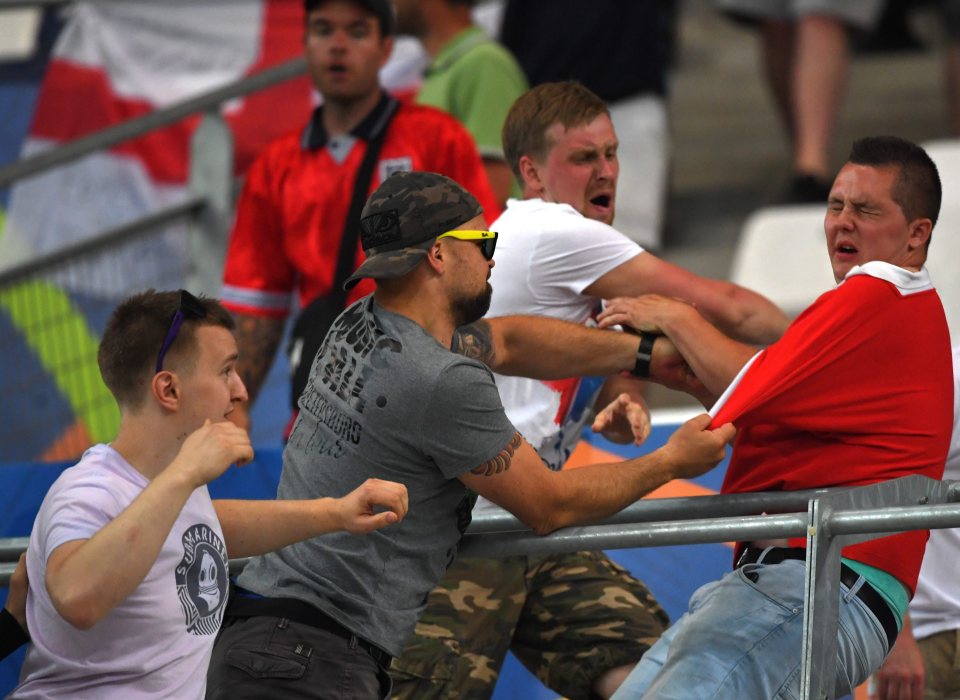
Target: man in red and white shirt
(856, 392)
(291, 214)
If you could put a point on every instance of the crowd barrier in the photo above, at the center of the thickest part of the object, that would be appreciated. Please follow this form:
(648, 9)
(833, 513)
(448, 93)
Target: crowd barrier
(828, 518)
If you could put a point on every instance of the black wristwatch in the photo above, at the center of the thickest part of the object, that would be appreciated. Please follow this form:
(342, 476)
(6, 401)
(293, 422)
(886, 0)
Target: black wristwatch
(644, 355)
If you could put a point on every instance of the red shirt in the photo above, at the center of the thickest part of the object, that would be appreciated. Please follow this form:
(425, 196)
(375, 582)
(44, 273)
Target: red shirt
(291, 213)
(859, 390)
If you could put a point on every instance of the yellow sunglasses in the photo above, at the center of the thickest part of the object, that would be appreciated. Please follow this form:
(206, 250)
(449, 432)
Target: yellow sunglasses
(487, 240)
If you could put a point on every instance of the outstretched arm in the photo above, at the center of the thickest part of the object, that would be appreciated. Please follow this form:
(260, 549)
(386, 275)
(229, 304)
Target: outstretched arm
(714, 358)
(87, 579)
(545, 348)
(255, 527)
(738, 312)
(545, 500)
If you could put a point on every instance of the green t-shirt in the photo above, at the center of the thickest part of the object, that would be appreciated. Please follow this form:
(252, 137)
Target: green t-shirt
(476, 80)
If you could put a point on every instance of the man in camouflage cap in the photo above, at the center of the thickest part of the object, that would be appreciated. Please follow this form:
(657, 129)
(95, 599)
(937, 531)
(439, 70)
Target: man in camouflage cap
(387, 398)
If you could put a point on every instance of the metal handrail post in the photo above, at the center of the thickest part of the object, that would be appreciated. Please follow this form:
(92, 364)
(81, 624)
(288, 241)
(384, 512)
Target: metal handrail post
(211, 178)
(890, 504)
(821, 606)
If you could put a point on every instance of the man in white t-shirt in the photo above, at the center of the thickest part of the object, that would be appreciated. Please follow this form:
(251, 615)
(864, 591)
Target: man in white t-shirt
(127, 560)
(924, 664)
(579, 622)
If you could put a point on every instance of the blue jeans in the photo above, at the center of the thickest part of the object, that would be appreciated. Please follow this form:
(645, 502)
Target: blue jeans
(741, 638)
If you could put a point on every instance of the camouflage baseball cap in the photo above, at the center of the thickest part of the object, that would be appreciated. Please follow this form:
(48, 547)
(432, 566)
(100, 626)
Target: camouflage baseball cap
(403, 217)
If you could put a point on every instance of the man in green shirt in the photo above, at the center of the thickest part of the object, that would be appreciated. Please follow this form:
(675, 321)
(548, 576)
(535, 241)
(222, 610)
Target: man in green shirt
(470, 76)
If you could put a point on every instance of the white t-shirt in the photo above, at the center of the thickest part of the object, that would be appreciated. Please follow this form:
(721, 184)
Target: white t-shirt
(936, 605)
(547, 255)
(156, 643)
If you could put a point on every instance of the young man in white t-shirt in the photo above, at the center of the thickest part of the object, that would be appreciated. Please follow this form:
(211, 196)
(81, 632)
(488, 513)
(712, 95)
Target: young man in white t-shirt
(127, 560)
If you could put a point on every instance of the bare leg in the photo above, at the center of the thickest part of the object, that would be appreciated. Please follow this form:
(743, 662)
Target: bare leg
(778, 48)
(820, 72)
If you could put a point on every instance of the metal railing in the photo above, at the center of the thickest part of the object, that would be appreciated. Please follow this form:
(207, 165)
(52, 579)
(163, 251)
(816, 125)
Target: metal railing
(829, 519)
(208, 102)
(55, 404)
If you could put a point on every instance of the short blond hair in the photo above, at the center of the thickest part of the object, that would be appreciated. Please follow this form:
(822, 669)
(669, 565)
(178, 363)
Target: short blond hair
(525, 129)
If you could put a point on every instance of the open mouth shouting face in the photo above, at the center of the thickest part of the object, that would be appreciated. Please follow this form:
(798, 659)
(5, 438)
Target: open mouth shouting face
(581, 168)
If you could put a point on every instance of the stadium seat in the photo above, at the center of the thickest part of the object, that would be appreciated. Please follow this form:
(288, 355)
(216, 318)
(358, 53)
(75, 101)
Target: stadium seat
(782, 254)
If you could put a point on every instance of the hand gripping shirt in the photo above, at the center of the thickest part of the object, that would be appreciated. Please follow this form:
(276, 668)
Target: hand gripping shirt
(294, 203)
(857, 391)
(157, 642)
(547, 255)
(384, 400)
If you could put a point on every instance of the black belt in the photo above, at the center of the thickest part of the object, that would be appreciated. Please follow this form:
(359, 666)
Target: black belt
(848, 577)
(244, 604)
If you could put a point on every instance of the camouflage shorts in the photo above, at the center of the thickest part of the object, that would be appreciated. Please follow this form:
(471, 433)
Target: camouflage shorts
(568, 618)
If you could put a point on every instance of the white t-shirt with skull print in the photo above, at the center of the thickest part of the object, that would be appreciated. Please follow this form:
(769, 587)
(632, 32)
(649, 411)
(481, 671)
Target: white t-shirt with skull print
(157, 642)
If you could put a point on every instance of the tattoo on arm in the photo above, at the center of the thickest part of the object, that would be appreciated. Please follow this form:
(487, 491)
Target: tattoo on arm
(257, 339)
(501, 462)
(475, 341)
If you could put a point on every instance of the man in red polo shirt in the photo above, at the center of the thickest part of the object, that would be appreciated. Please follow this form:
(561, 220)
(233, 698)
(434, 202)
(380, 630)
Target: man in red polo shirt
(857, 391)
(291, 214)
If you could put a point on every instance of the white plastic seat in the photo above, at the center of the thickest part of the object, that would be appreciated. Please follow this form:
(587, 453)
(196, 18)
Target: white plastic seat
(782, 254)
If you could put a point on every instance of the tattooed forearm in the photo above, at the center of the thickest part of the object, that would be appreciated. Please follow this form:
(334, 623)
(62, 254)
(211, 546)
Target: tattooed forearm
(501, 462)
(475, 341)
(257, 340)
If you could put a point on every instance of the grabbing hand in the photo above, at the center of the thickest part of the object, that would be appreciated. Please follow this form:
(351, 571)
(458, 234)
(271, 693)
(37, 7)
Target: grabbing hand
(357, 508)
(210, 449)
(647, 314)
(623, 420)
(693, 449)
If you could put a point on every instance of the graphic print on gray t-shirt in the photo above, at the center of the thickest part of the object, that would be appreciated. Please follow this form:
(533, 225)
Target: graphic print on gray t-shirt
(350, 352)
(384, 400)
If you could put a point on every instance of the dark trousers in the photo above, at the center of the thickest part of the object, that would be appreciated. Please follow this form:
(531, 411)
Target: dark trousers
(273, 657)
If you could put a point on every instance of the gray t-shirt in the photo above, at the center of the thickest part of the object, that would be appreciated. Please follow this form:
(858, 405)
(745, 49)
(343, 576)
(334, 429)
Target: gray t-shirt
(384, 400)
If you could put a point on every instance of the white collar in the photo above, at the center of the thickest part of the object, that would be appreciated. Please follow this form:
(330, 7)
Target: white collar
(905, 281)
